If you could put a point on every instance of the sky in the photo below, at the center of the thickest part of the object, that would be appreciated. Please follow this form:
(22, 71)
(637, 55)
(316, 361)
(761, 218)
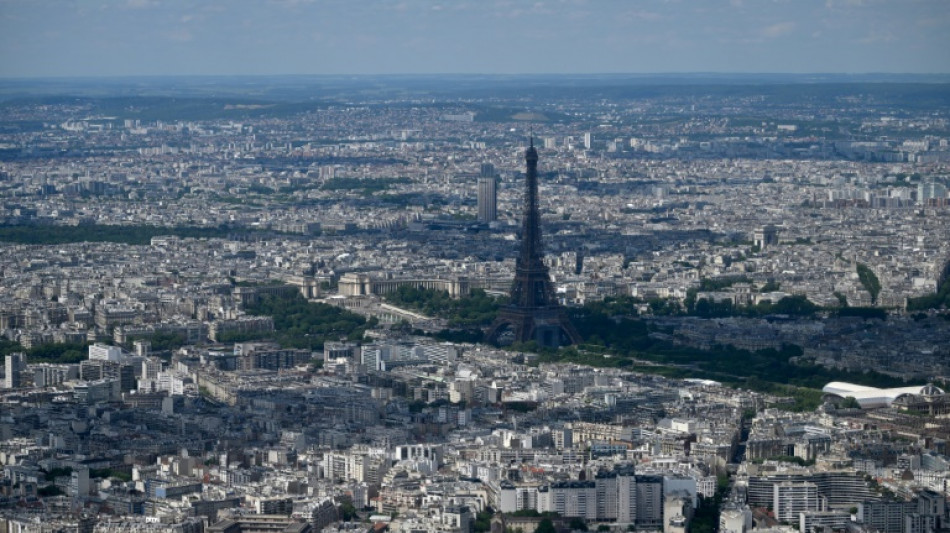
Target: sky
(69, 38)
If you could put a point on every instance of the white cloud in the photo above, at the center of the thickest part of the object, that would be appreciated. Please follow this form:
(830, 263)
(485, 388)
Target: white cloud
(777, 30)
(936, 21)
(640, 15)
(291, 3)
(878, 37)
(845, 3)
(141, 4)
(180, 36)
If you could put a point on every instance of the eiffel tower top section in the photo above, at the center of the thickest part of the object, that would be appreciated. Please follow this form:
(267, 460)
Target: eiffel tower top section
(531, 251)
(532, 286)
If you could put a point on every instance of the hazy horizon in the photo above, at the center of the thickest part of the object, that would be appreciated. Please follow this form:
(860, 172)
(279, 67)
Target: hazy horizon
(137, 38)
(942, 77)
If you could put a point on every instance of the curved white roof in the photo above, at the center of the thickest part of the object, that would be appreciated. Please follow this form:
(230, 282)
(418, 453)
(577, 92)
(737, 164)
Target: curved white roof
(871, 397)
(845, 389)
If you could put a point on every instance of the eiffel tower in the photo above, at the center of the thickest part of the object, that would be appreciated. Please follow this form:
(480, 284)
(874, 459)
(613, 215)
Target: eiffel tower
(534, 313)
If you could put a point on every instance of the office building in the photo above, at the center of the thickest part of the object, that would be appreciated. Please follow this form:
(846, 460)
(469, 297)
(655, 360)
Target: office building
(15, 364)
(104, 352)
(487, 199)
(790, 498)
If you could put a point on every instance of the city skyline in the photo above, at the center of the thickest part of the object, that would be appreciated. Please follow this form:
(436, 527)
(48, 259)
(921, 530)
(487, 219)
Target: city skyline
(151, 37)
(335, 303)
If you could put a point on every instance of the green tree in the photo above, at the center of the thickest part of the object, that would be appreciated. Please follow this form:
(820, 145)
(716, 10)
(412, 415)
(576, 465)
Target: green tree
(28, 234)
(798, 305)
(104, 473)
(718, 284)
(307, 325)
(58, 472)
(842, 299)
(161, 340)
(483, 520)
(545, 526)
(347, 511)
(850, 402)
(863, 312)
(58, 352)
(869, 280)
(933, 301)
(473, 310)
(578, 524)
(49, 490)
(771, 286)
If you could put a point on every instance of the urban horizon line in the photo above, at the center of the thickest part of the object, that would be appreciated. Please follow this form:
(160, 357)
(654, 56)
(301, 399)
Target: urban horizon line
(699, 73)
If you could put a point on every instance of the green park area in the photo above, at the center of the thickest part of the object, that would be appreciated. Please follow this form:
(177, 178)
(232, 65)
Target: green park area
(615, 336)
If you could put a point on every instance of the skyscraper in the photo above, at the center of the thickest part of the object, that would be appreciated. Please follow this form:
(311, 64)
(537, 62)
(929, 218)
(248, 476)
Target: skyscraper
(930, 191)
(15, 364)
(487, 199)
(534, 313)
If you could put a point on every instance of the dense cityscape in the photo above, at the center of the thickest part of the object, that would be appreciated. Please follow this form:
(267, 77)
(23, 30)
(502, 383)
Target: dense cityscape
(280, 305)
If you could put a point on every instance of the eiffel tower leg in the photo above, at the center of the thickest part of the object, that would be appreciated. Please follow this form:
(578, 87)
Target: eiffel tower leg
(491, 337)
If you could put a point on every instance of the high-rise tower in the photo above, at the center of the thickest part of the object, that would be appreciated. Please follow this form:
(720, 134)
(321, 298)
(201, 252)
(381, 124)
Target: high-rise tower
(534, 314)
(15, 365)
(487, 199)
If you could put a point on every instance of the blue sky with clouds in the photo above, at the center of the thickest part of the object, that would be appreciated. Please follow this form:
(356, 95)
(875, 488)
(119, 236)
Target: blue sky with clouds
(157, 37)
